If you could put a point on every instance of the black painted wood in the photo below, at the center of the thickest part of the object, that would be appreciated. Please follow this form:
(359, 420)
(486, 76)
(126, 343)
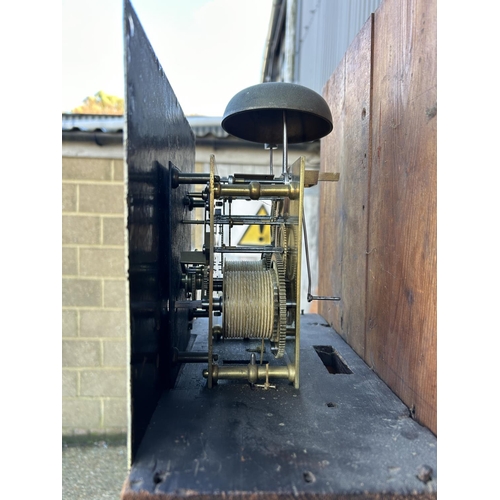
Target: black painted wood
(157, 136)
(339, 436)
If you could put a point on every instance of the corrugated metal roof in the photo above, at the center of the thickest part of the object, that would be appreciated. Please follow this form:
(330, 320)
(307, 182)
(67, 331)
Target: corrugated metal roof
(203, 126)
(92, 123)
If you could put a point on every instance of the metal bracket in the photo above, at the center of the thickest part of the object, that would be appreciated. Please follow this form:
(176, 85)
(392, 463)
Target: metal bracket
(311, 297)
(312, 177)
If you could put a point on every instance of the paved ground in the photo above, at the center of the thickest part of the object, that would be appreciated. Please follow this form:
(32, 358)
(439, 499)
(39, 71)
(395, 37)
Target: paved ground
(94, 470)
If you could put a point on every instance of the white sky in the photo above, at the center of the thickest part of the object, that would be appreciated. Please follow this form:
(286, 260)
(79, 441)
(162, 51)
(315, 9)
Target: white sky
(209, 49)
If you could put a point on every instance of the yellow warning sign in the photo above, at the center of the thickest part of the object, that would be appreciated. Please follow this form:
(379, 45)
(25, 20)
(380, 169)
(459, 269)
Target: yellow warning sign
(257, 234)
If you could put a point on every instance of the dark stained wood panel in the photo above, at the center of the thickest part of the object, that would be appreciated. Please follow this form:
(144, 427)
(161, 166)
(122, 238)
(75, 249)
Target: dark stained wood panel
(342, 435)
(157, 137)
(344, 205)
(401, 306)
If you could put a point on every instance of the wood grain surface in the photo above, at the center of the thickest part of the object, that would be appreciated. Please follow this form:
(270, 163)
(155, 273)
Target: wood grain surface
(344, 207)
(378, 225)
(401, 307)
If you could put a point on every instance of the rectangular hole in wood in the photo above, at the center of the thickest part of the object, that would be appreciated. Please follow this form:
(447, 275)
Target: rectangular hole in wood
(332, 360)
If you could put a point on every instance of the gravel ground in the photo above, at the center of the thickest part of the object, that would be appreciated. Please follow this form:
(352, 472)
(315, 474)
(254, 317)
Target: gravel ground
(93, 470)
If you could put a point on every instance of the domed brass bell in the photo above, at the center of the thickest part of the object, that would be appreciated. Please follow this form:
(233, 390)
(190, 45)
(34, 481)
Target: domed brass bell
(257, 114)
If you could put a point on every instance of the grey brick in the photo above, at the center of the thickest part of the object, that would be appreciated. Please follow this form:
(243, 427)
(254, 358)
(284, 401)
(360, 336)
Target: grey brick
(102, 262)
(102, 323)
(78, 432)
(118, 170)
(69, 383)
(69, 261)
(114, 293)
(114, 353)
(102, 198)
(116, 431)
(115, 413)
(68, 197)
(78, 292)
(81, 353)
(81, 413)
(86, 169)
(113, 231)
(106, 383)
(81, 229)
(69, 323)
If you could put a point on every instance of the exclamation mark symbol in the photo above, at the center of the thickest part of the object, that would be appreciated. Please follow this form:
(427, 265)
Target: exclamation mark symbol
(261, 229)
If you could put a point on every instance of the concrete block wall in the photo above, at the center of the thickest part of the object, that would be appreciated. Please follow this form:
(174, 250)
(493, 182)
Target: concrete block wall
(94, 342)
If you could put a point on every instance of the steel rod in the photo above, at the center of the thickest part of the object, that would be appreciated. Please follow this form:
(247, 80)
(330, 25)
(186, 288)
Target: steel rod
(249, 249)
(311, 297)
(284, 169)
(179, 177)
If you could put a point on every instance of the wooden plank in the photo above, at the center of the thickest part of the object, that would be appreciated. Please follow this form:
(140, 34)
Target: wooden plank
(330, 203)
(156, 236)
(342, 436)
(401, 305)
(344, 207)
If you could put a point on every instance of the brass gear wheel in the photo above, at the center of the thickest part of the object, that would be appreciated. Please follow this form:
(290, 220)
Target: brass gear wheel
(291, 252)
(205, 283)
(284, 236)
(266, 259)
(281, 241)
(276, 211)
(278, 339)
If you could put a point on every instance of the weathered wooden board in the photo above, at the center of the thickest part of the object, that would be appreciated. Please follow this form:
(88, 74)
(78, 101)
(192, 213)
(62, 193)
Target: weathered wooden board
(401, 306)
(344, 205)
(342, 436)
(378, 225)
(330, 203)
